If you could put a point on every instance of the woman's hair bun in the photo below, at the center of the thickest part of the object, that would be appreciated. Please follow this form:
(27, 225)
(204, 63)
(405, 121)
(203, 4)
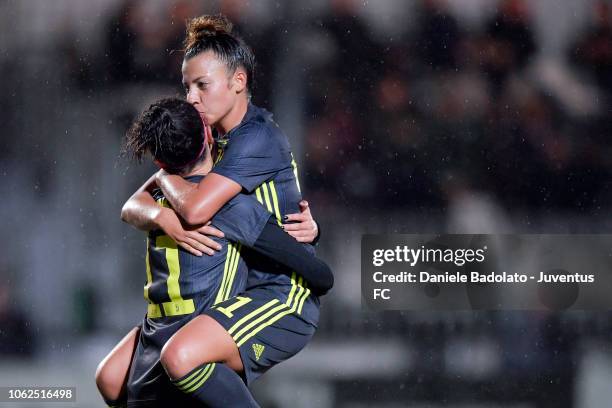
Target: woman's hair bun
(204, 26)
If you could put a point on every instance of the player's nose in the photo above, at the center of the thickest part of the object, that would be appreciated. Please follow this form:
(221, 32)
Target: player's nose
(193, 97)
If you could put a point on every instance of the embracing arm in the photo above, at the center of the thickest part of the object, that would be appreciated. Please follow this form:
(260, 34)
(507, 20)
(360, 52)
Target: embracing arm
(197, 204)
(245, 220)
(142, 212)
(274, 243)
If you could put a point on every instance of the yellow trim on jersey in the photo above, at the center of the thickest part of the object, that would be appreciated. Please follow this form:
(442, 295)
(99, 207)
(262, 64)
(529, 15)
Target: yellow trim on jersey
(220, 150)
(295, 172)
(264, 187)
(153, 311)
(275, 201)
(271, 312)
(219, 157)
(258, 194)
(267, 195)
(226, 265)
(163, 202)
(229, 272)
(174, 268)
(232, 271)
(177, 305)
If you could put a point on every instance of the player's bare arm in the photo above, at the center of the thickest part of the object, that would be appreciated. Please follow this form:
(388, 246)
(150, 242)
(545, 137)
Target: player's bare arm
(197, 204)
(142, 212)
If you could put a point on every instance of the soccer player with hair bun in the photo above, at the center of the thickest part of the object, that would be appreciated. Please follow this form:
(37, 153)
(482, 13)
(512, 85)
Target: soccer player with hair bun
(219, 352)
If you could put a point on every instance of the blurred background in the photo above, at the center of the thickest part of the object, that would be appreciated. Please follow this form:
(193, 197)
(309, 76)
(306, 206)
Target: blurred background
(461, 116)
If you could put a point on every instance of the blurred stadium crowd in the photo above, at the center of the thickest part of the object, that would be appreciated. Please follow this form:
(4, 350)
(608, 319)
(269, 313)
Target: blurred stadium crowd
(435, 123)
(409, 119)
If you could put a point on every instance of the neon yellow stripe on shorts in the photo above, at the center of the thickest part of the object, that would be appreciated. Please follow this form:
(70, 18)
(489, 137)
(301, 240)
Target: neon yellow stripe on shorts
(271, 320)
(254, 313)
(259, 320)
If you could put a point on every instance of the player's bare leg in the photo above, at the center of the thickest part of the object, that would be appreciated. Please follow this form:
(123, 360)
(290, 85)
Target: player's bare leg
(113, 370)
(202, 340)
(202, 360)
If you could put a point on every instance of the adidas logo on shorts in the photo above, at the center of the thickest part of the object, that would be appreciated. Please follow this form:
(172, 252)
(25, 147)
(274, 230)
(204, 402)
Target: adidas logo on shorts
(258, 349)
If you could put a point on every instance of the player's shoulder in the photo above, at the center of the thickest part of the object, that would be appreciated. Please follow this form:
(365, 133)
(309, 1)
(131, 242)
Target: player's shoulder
(254, 129)
(254, 133)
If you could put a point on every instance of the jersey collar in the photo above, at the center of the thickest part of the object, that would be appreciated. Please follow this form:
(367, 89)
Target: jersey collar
(253, 113)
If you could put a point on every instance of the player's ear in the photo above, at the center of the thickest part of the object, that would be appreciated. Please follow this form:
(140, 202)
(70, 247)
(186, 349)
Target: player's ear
(240, 80)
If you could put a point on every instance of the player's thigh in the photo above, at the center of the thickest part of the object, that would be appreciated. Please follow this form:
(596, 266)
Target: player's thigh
(113, 370)
(202, 340)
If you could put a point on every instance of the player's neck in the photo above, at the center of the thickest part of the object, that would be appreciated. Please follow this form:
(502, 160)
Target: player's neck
(233, 117)
(202, 168)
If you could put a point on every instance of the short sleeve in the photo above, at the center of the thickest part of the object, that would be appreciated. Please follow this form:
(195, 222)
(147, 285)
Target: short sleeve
(241, 219)
(252, 157)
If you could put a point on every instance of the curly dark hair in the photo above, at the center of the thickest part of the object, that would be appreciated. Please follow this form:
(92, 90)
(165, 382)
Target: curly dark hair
(171, 130)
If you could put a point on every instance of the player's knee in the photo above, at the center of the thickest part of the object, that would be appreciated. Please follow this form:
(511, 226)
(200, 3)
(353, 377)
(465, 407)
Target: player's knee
(108, 381)
(176, 359)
